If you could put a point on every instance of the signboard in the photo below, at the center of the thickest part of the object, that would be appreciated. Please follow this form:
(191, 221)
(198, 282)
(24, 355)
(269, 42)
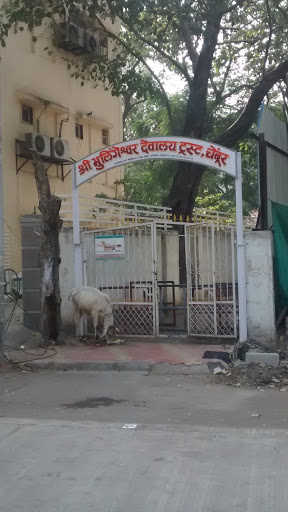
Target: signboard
(171, 148)
(109, 247)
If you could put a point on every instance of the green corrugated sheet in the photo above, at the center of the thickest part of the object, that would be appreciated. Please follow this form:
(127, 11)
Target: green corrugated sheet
(280, 234)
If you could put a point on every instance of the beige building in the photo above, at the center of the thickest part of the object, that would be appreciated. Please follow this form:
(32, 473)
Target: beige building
(38, 95)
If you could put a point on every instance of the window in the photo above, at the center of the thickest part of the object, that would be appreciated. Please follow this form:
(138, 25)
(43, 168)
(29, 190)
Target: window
(27, 114)
(79, 130)
(105, 137)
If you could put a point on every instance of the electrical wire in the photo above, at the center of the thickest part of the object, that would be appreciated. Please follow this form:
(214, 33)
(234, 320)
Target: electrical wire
(41, 356)
(7, 325)
(10, 229)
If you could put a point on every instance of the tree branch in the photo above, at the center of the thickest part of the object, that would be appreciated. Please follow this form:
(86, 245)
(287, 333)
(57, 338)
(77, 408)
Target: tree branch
(282, 11)
(248, 116)
(234, 91)
(224, 97)
(214, 86)
(128, 106)
(269, 37)
(161, 52)
(112, 35)
(197, 101)
(227, 71)
(192, 52)
(239, 3)
(239, 41)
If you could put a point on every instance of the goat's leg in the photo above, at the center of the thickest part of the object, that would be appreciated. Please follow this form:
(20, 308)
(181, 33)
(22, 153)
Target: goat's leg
(95, 323)
(78, 322)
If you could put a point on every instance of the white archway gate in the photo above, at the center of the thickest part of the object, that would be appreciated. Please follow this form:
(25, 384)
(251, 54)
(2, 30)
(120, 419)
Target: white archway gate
(174, 148)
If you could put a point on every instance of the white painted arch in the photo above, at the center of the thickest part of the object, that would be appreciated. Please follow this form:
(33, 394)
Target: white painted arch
(186, 149)
(155, 148)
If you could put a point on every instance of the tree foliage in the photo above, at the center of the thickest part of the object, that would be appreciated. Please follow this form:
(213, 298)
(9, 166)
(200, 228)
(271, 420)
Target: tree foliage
(228, 53)
(150, 182)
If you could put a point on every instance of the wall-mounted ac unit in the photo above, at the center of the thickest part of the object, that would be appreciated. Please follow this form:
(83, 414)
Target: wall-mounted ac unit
(39, 143)
(70, 37)
(92, 43)
(59, 148)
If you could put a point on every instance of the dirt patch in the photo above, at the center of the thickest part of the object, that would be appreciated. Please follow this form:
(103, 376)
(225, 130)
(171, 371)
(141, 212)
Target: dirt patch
(255, 376)
(93, 403)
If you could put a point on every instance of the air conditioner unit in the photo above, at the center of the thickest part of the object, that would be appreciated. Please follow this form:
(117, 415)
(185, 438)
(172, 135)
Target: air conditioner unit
(39, 143)
(59, 148)
(92, 43)
(70, 37)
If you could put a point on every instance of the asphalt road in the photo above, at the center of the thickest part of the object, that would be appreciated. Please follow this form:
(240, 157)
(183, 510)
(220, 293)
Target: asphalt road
(195, 446)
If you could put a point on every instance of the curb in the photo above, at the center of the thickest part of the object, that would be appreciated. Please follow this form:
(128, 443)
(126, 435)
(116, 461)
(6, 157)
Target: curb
(97, 366)
(121, 366)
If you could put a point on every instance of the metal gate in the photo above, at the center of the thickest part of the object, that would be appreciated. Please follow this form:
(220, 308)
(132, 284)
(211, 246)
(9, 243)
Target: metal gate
(122, 263)
(211, 284)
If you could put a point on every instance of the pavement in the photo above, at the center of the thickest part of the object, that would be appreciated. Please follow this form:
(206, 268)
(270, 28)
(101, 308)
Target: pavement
(120, 442)
(133, 355)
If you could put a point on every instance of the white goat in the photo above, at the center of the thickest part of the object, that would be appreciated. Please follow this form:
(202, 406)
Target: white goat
(93, 303)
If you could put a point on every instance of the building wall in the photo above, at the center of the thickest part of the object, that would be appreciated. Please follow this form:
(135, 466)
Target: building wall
(30, 76)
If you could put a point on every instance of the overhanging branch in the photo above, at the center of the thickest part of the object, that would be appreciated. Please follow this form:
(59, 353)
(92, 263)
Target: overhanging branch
(112, 35)
(197, 102)
(248, 116)
(182, 70)
(269, 37)
(234, 6)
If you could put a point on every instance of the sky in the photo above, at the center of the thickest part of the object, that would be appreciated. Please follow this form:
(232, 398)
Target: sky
(172, 82)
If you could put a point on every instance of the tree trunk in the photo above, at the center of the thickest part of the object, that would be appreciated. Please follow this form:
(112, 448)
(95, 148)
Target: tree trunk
(185, 189)
(49, 206)
(182, 199)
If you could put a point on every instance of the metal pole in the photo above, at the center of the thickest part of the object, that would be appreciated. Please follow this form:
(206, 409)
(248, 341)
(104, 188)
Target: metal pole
(213, 275)
(78, 270)
(263, 181)
(2, 302)
(78, 273)
(242, 300)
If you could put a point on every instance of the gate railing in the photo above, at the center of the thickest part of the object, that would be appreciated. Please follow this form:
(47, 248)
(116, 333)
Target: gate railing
(128, 278)
(101, 212)
(211, 280)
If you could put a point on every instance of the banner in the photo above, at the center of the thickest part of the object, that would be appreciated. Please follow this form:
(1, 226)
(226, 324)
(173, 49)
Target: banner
(109, 247)
(171, 148)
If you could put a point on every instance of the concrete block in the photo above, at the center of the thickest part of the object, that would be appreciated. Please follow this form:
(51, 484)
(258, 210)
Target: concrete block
(27, 220)
(30, 258)
(31, 278)
(32, 320)
(271, 358)
(29, 236)
(31, 300)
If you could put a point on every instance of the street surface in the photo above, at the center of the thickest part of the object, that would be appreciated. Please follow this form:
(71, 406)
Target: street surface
(197, 446)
